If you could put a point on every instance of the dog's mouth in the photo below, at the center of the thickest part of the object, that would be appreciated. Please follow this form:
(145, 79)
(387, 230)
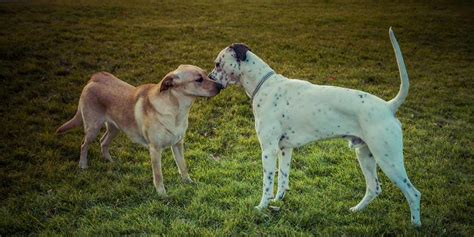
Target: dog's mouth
(220, 86)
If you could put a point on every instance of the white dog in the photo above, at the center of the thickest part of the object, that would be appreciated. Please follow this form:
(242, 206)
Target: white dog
(290, 113)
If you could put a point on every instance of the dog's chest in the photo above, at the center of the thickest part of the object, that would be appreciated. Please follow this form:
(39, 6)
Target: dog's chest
(168, 133)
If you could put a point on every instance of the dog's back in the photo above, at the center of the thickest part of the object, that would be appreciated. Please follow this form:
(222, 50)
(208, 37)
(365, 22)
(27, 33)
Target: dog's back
(105, 97)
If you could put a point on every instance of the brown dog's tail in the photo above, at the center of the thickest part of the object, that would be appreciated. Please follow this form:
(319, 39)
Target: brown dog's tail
(76, 121)
(395, 103)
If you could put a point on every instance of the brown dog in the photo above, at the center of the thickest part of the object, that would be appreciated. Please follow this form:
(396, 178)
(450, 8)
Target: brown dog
(154, 115)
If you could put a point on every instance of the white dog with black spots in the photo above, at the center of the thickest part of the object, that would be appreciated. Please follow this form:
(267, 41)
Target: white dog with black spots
(290, 113)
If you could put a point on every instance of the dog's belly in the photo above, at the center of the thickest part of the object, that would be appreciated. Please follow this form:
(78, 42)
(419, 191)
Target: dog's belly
(308, 128)
(130, 130)
(136, 137)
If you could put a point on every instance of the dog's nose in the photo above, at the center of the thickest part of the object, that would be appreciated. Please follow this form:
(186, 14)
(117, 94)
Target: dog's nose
(219, 86)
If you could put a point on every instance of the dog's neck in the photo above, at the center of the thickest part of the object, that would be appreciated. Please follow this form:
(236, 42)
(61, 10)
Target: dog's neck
(253, 69)
(173, 103)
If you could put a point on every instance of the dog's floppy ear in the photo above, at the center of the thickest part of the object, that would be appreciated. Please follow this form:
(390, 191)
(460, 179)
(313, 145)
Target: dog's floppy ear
(240, 51)
(168, 81)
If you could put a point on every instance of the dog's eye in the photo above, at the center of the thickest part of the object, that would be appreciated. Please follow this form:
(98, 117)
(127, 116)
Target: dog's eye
(200, 79)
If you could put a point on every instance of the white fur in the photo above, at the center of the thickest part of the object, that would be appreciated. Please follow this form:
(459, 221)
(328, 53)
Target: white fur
(290, 113)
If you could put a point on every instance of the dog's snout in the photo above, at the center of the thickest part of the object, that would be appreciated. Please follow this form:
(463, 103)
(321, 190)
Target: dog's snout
(219, 86)
(210, 77)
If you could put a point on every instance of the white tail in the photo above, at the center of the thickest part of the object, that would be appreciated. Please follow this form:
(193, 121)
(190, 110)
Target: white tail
(395, 103)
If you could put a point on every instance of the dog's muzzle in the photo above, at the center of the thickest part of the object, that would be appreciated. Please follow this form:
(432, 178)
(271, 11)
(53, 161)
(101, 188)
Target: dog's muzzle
(219, 85)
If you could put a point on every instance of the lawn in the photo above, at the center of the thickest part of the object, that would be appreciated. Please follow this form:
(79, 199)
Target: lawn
(49, 49)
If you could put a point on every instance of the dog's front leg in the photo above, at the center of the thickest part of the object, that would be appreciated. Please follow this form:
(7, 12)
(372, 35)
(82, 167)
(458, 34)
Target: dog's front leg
(269, 158)
(283, 173)
(155, 153)
(178, 153)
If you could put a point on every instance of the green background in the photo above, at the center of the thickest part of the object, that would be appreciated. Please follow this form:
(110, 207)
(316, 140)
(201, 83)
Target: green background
(49, 49)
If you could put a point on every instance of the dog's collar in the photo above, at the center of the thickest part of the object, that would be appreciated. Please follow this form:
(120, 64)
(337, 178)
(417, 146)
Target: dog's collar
(260, 83)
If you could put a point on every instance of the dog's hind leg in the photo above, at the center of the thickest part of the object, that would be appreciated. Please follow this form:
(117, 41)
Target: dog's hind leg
(283, 173)
(93, 120)
(91, 129)
(388, 153)
(107, 138)
(369, 169)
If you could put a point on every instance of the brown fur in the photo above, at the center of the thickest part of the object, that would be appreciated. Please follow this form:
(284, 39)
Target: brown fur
(154, 115)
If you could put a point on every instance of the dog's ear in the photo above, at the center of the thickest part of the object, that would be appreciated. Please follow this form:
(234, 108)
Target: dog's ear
(240, 51)
(168, 81)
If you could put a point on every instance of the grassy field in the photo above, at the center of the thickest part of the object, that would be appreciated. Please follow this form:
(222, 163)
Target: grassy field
(49, 50)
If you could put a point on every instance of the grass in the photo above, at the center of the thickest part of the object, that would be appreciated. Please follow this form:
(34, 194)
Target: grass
(49, 49)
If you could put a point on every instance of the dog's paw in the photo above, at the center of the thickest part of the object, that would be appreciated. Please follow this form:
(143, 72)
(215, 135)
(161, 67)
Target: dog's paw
(187, 180)
(355, 209)
(161, 192)
(259, 208)
(274, 208)
(417, 224)
(109, 159)
(83, 165)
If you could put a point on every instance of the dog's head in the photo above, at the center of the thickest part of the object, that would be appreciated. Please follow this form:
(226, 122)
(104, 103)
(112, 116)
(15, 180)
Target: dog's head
(191, 81)
(227, 68)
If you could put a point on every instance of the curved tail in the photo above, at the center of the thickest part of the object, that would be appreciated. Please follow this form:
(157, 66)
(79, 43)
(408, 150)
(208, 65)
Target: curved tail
(76, 121)
(396, 102)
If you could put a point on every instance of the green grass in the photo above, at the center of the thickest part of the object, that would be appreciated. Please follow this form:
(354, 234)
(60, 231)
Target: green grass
(49, 50)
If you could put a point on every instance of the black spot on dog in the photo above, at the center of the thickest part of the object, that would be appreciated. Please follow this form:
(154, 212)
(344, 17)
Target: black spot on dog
(283, 115)
(266, 157)
(258, 105)
(240, 51)
(371, 155)
(283, 153)
(404, 180)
